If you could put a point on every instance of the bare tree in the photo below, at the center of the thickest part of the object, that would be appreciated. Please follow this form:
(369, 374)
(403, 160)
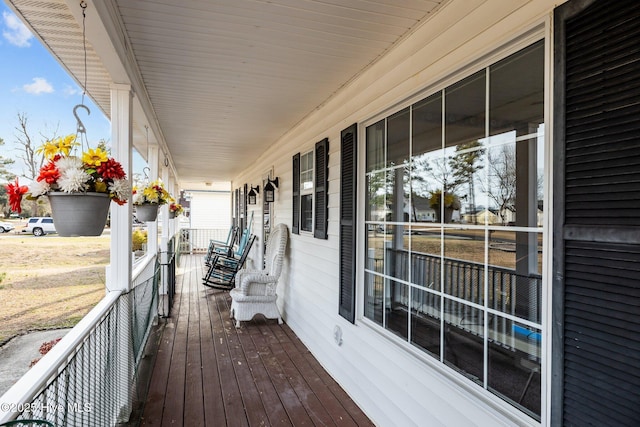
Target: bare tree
(465, 163)
(32, 160)
(501, 166)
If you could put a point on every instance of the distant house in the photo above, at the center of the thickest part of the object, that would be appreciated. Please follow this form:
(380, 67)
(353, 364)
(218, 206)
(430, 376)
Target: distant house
(422, 210)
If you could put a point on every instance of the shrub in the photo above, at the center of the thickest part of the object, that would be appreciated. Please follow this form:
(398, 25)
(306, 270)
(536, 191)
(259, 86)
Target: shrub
(139, 238)
(44, 349)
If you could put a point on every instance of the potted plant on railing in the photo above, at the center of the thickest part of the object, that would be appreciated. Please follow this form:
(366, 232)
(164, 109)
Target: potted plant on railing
(450, 202)
(175, 209)
(79, 188)
(148, 199)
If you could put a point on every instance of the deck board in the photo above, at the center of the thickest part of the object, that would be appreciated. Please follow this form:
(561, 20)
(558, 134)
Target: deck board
(209, 373)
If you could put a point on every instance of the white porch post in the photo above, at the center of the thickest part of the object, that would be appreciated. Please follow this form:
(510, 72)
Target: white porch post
(152, 227)
(173, 226)
(166, 178)
(119, 271)
(164, 239)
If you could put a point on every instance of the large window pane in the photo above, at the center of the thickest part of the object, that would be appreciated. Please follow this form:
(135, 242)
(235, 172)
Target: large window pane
(397, 252)
(425, 182)
(516, 100)
(397, 304)
(466, 163)
(398, 138)
(463, 341)
(398, 190)
(425, 321)
(463, 264)
(514, 180)
(374, 292)
(515, 273)
(514, 363)
(376, 209)
(464, 109)
(425, 256)
(427, 125)
(375, 245)
(375, 146)
(306, 212)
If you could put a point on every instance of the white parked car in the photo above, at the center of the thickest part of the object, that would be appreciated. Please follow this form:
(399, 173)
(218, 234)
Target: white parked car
(39, 226)
(6, 227)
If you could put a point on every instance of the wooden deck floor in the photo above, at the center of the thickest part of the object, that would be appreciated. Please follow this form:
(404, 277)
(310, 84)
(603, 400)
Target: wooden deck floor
(208, 373)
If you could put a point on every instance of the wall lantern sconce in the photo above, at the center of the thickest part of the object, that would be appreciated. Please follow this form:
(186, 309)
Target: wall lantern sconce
(253, 194)
(270, 190)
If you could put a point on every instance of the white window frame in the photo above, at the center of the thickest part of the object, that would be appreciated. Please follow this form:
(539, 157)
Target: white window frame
(309, 191)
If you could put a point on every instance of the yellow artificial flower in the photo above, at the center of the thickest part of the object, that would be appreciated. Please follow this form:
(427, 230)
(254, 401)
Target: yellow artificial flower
(62, 145)
(151, 194)
(95, 157)
(66, 143)
(49, 149)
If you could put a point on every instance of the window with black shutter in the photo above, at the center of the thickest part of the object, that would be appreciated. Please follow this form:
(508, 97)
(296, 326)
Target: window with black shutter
(310, 191)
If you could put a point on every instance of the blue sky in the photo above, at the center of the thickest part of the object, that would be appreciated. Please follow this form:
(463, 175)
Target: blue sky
(32, 82)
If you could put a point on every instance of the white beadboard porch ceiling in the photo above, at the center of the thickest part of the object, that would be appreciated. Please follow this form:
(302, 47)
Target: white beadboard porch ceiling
(226, 78)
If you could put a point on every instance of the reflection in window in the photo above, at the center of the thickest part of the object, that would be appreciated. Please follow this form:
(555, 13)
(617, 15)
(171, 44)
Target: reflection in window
(398, 138)
(306, 171)
(306, 212)
(375, 146)
(454, 217)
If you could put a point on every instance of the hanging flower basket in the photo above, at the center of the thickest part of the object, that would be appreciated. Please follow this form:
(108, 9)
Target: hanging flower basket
(175, 209)
(79, 214)
(79, 187)
(147, 212)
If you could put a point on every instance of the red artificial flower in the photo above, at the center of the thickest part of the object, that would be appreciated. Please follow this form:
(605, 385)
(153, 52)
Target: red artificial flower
(118, 201)
(49, 173)
(15, 192)
(111, 169)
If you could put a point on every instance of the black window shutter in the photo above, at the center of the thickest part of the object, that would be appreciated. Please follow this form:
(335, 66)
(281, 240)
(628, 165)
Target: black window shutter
(321, 189)
(596, 292)
(348, 180)
(295, 226)
(244, 204)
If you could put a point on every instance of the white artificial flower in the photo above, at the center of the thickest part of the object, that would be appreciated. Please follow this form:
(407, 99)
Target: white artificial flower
(65, 163)
(38, 188)
(120, 188)
(73, 180)
(138, 198)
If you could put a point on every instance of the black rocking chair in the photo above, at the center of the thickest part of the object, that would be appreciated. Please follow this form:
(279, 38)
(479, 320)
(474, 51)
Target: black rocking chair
(222, 271)
(217, 247)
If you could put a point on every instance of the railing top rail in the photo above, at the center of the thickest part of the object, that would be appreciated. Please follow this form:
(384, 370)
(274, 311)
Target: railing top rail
(36, 379)
(472, 263)
(140, 265)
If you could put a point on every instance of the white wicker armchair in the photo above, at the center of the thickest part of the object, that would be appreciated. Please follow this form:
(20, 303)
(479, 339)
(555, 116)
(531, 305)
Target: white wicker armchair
(255, 291)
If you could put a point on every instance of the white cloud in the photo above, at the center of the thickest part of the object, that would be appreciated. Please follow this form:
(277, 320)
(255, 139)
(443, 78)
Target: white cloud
(71, 91)
(39, 85)
(15, 32)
